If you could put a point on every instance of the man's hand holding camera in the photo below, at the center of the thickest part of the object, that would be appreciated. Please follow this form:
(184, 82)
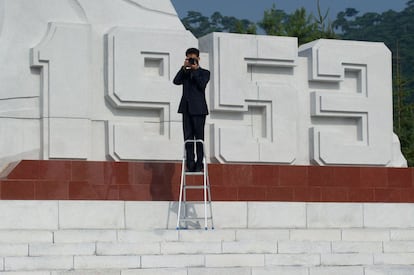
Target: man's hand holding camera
(191, 63)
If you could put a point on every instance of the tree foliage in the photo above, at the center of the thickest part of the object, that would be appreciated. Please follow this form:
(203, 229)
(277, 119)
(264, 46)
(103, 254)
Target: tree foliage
(306, 27)
(403, 112)
(274, 21)
(201, 25)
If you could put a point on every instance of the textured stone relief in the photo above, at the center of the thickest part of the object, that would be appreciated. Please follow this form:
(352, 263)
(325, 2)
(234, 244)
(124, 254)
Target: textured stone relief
(92, 79)
(65, 90)
(350, 123)
(247, 83)
(140, 67)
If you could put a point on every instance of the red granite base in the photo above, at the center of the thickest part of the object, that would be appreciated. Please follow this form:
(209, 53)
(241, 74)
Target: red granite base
(139, 181)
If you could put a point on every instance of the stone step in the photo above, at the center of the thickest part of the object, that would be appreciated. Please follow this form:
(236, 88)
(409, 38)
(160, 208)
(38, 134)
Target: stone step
(135, 215)
(113, 237)
(347, 264)
(354, 270)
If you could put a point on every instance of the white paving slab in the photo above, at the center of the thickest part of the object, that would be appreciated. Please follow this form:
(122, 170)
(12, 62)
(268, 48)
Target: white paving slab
(402, 234)
(366, 235)
(280, 271)
(334, 215)
(235, 260)
(80, 236)
(315, 234)
(163, 215)
(27, 215)
(14, 250)
(399, 246)
(313, 259)
(388, 215)
(26, 236)
(27, 273)
(220, 271)
(132, 236)
(155, 271)
(303, 247)
(344, 259)
(249, 247)
(352, 270)
(271, 235)
(276, 215)
(91, 215)
(163, 261)
(389, 270)
(188, 247)
(356, 247)
(87, 272)
(38, 263)
(207, 235)
(230, 215)
(106, 262)
(62, 249)
(394, 258)
(144, 248)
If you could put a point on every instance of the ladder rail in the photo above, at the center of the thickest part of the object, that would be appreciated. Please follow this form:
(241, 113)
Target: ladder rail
(209, 198)
(205, 193)
(181, 192)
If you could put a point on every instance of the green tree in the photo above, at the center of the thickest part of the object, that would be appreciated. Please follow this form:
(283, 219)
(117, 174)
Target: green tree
(244, 26)
(302, 26)
(324, 26)
(403, 111)
(343, 19)
(274, 21)
(198, 24)
(306, 27)
(201, 25)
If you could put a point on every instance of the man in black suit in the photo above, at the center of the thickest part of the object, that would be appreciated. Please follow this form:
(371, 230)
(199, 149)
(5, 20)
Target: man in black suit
(193, 105)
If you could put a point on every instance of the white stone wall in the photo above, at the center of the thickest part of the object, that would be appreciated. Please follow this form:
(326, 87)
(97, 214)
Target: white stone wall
(114, 237)
(92, 79)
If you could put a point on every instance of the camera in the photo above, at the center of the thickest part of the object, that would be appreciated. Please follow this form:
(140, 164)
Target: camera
(192, 61)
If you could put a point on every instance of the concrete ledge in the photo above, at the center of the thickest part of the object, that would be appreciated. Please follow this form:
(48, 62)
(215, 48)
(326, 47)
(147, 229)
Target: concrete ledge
(113, 215)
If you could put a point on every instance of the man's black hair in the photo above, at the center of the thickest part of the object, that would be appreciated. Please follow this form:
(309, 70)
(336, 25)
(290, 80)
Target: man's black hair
(193, 51)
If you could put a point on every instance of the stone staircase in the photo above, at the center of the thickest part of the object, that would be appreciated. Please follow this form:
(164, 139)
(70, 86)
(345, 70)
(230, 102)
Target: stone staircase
(254, 238)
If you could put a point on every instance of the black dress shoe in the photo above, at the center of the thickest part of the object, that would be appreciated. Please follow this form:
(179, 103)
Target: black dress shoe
(191, 167)
(199, 167)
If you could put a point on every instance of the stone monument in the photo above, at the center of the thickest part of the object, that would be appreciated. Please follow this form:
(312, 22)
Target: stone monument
(92, 80)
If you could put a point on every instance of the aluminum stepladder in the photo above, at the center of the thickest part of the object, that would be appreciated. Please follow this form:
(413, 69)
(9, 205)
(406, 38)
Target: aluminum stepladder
(182, 203)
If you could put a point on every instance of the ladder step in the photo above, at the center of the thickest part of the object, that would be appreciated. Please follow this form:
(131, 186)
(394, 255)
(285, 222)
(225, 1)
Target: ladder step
(196, 187)
(195, 202)
(192, 219)
(194, 173)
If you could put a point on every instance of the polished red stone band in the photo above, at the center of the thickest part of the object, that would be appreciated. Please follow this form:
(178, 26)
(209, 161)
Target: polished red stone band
(155, 181)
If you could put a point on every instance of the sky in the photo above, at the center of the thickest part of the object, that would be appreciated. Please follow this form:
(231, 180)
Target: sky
(253, 9)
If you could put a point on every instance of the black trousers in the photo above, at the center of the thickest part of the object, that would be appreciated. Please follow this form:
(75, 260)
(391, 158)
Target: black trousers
(193, 128)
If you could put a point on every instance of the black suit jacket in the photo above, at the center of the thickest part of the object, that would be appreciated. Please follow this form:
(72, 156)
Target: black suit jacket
(193, 100)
